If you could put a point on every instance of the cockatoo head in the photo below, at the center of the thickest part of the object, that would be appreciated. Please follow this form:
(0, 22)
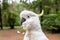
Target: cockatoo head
(24, 15)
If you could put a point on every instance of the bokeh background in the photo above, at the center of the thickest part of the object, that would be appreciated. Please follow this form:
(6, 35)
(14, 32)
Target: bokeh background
(10, 13)
(10, 28)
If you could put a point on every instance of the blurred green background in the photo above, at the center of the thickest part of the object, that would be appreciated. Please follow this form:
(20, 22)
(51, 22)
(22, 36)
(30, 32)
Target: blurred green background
(50, 21)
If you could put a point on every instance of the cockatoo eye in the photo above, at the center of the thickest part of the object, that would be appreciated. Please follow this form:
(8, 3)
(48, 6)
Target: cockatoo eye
(28, 16)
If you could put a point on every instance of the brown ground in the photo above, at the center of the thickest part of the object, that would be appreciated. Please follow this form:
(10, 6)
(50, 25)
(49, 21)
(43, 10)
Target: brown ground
(13, 35)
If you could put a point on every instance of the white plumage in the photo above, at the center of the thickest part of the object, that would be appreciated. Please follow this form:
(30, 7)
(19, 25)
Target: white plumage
(32, 26)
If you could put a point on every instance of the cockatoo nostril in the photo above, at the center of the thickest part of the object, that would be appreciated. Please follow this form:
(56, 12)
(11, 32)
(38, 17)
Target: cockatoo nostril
(23, 20)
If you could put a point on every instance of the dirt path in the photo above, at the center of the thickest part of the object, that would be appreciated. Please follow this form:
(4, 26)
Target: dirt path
(13, 35)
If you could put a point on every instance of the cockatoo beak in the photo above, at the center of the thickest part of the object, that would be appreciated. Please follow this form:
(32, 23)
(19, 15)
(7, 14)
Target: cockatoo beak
(23, 20)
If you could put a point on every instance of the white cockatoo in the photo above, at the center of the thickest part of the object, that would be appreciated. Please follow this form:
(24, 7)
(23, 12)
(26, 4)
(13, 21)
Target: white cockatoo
(31, 23)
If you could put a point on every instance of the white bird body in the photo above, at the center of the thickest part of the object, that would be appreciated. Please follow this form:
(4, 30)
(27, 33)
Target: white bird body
(34, 35)
(33, 28)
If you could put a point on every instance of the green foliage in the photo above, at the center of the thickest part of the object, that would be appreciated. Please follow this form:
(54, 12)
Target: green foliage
(5, 4)
(51, 21)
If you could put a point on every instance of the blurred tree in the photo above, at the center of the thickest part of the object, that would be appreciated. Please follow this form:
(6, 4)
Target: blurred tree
(11, 19)
(8, 14)
(1, 18)
(4, 11)
(3, 14)
(11, 15)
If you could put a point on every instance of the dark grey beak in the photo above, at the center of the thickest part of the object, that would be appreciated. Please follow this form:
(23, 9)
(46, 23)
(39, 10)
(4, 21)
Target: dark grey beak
(23, 20)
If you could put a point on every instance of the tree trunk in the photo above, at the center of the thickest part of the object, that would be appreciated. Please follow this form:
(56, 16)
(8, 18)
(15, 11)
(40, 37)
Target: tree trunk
(11, 23)
(1, 20)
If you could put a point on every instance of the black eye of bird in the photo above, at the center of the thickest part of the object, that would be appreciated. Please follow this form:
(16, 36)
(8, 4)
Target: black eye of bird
(28, 16)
